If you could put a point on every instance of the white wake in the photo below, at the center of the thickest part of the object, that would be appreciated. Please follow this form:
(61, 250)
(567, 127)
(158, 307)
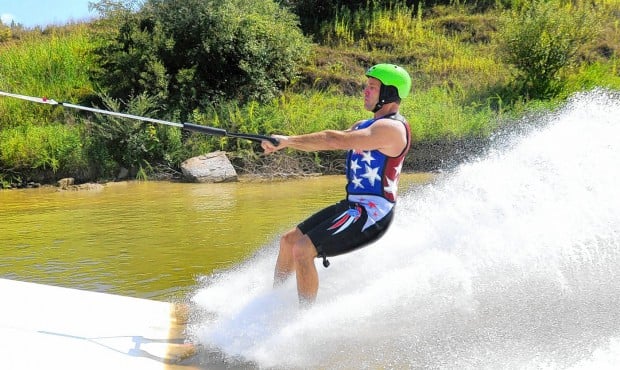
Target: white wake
(509, 261)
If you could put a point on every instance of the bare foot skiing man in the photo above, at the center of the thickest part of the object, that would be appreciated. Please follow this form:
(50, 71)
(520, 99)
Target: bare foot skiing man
(376, 150)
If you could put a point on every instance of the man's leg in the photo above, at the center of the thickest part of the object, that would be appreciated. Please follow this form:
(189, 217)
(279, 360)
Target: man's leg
(297, 254)
(304, 254)
(285, 264)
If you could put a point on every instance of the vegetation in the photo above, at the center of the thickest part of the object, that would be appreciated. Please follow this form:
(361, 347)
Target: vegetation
(542, 38)
(248, 67)
(194, 53)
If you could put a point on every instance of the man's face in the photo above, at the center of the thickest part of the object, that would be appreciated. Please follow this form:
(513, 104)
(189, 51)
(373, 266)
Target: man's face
(371, 93)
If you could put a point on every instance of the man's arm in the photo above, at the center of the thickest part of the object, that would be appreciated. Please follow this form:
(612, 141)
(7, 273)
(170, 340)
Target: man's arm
(386, 135)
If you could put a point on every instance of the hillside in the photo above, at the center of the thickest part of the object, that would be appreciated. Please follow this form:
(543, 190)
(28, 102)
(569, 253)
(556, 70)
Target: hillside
(466, 87)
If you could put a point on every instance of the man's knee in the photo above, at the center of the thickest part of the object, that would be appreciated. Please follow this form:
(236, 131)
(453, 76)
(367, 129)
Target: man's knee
(291, 237)
(304, 251)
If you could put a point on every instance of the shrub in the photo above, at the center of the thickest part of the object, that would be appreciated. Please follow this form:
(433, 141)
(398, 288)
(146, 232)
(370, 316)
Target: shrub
(194, 53)
(541, 38)
(132, 143)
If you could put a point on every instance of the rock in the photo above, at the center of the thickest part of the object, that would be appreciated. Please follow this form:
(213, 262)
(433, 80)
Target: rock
(209, 168)
(87, 186)
(65, 183)
(122, 174)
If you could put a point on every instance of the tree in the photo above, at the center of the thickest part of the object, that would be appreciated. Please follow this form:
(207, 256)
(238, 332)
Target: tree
(194, 53)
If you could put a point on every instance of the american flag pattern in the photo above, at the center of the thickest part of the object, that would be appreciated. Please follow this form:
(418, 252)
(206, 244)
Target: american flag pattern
(373, 176)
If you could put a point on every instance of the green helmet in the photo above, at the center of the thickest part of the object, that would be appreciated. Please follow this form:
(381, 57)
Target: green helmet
(392, 75)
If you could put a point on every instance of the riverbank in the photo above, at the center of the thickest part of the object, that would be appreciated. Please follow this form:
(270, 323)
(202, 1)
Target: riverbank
(430, 156)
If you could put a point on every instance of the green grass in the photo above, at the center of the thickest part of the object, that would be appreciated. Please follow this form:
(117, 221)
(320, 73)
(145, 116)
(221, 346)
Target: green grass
(54, 147)
(599, 74)
(53, 65)
(35, 137)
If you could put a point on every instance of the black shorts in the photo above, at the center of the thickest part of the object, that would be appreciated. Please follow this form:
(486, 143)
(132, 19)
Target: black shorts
(337, 229)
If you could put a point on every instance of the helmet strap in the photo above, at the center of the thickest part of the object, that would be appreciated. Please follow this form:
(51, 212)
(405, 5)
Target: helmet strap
(378, 106)
(387, 94)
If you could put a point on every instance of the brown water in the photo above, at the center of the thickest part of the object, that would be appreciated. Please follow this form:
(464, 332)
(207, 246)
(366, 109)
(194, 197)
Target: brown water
(150, 239)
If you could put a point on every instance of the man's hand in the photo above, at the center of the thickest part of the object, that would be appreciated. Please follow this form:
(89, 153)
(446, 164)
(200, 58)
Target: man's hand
(269, 148)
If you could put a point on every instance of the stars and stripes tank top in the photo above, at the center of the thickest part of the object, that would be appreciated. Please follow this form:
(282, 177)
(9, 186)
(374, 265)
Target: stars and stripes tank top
(372, 177)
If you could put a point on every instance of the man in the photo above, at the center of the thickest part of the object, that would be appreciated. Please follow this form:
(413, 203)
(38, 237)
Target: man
(376, 150)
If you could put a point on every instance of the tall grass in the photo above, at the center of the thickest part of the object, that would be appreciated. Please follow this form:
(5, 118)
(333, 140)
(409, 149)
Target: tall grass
(54, 65)
(36, 137)
(598, 74)
(291, 113)
(373, 27)
(441, 114)
(54, 148)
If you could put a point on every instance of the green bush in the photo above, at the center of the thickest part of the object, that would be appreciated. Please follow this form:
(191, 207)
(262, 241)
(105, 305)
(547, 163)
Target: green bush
(194, 53)
(131, 143)
(542, 38)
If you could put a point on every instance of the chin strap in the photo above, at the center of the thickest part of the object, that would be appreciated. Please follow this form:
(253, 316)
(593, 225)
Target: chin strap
(378, 106)
(387, 94)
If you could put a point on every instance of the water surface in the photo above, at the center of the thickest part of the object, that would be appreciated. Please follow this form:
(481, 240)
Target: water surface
(150, 239)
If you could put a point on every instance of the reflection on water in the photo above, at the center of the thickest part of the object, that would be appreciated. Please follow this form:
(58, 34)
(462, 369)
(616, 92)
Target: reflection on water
(150, 239)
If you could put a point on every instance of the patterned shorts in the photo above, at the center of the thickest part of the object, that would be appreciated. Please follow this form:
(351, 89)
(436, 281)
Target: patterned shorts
(337, 229)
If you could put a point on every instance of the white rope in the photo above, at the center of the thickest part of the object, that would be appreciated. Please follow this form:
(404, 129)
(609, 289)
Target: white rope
(94, 110)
